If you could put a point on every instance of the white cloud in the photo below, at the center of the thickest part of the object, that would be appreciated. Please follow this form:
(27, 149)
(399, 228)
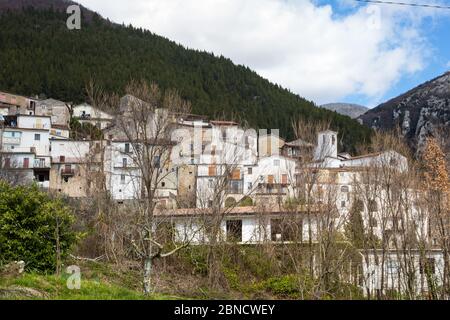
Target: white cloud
(298, 44)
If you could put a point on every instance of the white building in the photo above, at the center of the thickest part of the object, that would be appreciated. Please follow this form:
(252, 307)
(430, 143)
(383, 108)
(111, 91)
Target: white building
(272, 177)
(242, 225)
(26, 144)
(85, 113)
(413, 272)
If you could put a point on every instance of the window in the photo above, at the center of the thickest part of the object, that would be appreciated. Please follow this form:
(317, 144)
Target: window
(276, 163)
(286, 230)
(7, 162)
(157, 161)
(127, 147)
(373, 222)
(234, 230)
(249, 186)
(392, 267)
(250, 170)
(26, 162)
(345, 189)
(124, 162)
(427, 266)
(37, 137)
(373, 206)
(284, 178)
(163, 184)
(210, 203)
(224, 135)
(270, 179)
(393, 162)
(342, 204)
(333, 140)
(122, 179)
(210, 183)
(276, 230)
(235, 187)
(62, 159)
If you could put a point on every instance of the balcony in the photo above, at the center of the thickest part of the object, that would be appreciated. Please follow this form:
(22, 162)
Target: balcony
(235, 187)
(44, 184)
(10, 140)
(41, 164)
(272, 188)
(67, 172)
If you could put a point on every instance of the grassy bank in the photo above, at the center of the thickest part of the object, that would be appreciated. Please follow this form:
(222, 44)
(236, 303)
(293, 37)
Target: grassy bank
(98, 282)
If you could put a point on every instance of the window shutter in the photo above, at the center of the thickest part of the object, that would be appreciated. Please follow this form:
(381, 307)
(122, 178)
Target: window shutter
(236, 174)
(212, 170)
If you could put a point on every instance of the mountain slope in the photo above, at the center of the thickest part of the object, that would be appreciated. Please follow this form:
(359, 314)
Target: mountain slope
(346, 109)
(415, 112)
(38, 54)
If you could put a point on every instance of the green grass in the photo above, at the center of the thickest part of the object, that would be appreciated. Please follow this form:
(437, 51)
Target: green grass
(99, 281)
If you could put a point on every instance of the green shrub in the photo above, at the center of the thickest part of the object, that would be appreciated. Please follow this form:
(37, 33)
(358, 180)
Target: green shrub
(284, 285)
(232, 276)
(230, 202)
(28, 227)
(246, 202)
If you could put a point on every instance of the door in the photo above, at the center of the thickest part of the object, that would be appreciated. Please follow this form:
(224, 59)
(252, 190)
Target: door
(270, 179)
(26, 163)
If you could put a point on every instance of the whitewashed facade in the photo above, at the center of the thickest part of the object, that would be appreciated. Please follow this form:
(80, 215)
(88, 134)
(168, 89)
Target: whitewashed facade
(85, 113)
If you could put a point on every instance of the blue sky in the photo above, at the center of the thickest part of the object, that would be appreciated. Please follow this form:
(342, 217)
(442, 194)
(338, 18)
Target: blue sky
(324, 50)
(437, 32)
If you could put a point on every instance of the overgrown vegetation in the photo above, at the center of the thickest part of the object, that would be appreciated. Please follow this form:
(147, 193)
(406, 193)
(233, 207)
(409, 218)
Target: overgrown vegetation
(34, 227)
(98, 281)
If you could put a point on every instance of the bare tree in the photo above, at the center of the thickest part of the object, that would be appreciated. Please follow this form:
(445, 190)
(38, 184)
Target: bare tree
(146, 123)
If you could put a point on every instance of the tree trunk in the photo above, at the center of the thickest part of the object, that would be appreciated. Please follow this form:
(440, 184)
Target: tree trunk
(58, 249)
(148, 275)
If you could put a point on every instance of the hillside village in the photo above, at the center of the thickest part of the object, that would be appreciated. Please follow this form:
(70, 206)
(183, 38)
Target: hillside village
(219, 167)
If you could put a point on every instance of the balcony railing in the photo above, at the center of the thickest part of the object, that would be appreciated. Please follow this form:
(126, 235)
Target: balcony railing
(44, 184)
(10, 140)
(272, 188)
(235, 187)
(67, 172)
(41, 164)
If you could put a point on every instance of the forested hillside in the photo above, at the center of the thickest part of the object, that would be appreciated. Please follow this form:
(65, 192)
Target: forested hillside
(39, 55)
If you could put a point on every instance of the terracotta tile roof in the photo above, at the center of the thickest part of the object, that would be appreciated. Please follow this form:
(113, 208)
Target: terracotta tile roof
(224, 123)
